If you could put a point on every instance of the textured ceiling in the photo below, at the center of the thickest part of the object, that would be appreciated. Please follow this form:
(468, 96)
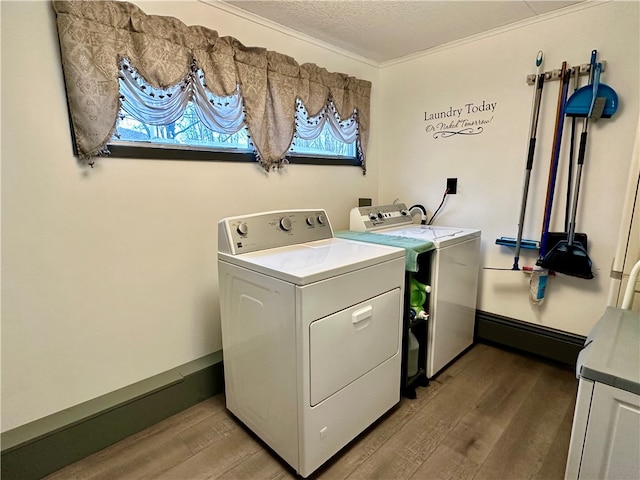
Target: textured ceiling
(384, 30)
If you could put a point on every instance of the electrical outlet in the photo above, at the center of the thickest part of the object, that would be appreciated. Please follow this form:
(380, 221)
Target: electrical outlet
(452, 186)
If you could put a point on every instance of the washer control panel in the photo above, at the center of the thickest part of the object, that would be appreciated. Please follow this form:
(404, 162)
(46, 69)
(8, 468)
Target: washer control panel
(261, 231)
(376, 217)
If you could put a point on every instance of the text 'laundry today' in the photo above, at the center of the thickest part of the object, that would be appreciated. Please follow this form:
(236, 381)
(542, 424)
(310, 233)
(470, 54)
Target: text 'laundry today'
(468, 108)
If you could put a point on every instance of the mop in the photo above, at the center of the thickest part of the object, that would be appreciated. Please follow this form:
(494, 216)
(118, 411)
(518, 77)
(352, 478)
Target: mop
(535, 111)
(533, 127)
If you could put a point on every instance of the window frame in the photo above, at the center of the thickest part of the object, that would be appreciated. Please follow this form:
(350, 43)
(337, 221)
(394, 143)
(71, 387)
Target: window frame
(148, 151)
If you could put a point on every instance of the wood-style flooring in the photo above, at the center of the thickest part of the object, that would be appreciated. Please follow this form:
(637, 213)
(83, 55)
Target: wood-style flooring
(493, 414)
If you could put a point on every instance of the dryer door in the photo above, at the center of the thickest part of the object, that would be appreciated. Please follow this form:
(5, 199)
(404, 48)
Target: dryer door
(351, 342)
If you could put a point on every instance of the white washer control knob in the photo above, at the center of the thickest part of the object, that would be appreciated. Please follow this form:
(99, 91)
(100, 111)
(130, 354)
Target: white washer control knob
(373, 216)
(285, 224)
(310, 221)
(321, 219)
(242, 229)
(404, 212)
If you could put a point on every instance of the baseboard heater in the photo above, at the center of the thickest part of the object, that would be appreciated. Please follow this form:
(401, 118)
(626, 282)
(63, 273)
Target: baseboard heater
(546, 342)
(39, 448)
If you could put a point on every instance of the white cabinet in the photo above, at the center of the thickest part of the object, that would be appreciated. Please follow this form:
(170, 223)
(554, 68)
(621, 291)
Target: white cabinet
(605, 438)
(611, 446)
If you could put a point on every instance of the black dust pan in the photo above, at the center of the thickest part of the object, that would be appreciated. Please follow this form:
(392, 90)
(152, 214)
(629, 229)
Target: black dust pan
(570, 257)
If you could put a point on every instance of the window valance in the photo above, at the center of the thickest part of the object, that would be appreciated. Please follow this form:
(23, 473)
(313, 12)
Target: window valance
(95, 35)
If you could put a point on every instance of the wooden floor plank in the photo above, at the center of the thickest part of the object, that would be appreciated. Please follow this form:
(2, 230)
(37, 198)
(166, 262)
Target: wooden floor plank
(215, 460)
(474, 437)
(481, 427)
(263, 464)
(491, 414)
(446, 464)
(555, 461)
(210, 431)
(521, 450)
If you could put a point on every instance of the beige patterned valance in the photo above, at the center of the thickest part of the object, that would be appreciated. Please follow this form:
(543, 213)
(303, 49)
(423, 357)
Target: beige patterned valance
(94, 35)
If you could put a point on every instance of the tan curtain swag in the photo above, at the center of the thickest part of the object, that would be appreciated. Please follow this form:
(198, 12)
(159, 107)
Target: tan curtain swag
(94, 35)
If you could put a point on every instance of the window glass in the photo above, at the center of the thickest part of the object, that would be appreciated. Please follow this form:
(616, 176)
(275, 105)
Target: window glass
(189, 132)
(324, 145)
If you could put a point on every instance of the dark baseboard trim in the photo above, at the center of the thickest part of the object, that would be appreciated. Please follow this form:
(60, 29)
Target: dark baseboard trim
(39, 448)
(549, 343)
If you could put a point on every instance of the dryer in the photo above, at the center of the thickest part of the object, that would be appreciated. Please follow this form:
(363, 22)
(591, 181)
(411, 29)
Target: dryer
(311, 331)
(454, 274)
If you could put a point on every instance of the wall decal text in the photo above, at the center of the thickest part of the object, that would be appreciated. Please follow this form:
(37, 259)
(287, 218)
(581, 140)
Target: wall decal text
(468, 119)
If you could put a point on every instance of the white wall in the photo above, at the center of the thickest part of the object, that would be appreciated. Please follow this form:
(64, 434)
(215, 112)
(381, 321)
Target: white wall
(490, 166)
(109, 275)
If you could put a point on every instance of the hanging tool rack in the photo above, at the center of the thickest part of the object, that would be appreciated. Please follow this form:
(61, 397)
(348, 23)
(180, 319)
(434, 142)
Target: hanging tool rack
(583, 69)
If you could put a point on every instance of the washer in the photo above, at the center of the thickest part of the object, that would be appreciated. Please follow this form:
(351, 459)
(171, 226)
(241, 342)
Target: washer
(311, 331)
(454, 277)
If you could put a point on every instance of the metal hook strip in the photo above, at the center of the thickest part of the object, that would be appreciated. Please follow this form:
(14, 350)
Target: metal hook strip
(583, 69)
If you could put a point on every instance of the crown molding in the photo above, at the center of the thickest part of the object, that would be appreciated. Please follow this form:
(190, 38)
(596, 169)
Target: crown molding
(232, 9)
(498, 31)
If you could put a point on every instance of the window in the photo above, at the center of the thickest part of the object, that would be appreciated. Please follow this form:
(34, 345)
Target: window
(94, 34)
(325, 134)
(211, 127)
(189, 138)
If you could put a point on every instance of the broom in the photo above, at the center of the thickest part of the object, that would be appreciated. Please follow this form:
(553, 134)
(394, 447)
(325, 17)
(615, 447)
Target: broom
(538, 281)
(571, 257)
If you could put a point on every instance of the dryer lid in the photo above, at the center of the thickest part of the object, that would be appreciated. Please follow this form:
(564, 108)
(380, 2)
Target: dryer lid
(306, 263)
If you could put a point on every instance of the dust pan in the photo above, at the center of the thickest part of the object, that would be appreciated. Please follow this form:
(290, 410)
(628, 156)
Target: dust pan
(598, 95)
(570, 259)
